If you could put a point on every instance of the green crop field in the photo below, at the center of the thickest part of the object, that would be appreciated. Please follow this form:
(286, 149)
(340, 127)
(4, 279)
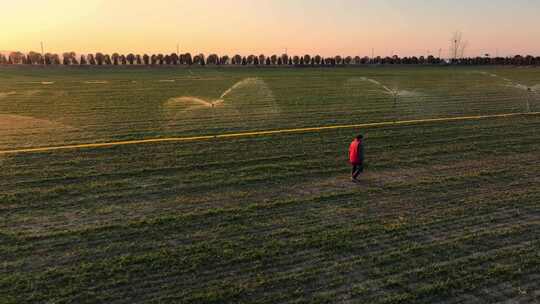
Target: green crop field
(447, 211)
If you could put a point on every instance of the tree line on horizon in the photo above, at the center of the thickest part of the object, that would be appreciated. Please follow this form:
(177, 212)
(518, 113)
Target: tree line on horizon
(101, 59)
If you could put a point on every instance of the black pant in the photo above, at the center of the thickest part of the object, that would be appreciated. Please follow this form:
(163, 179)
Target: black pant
(357, 169)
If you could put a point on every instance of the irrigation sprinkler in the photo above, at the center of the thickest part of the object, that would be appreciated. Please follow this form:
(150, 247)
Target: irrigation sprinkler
(394, 93)
(395, 96)
(529, 91)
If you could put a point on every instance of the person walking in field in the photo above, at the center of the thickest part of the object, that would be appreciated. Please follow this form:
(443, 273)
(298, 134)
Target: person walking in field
(356, 157)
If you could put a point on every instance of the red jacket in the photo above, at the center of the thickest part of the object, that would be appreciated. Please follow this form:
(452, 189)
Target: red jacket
(356, 155)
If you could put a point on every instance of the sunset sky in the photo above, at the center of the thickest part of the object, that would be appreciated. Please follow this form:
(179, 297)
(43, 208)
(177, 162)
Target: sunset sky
(347, 27)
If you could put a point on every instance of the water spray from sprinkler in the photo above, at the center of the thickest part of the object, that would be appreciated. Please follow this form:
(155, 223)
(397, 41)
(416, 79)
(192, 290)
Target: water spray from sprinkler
(396, 99)
(395, 93)
(530, 91)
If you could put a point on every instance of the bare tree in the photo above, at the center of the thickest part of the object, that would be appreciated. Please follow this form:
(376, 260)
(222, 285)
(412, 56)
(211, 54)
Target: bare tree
(51, 59)
(74, 58)
(99, 58)
(115, 57)
(16, 57)
(457, 46)
(188, 59)
(237, 59)
(213, 59)
(107, 59)
(91, 59)
(55, 59)
(284, 58)
(35, 57)
(251, 59)
(160, 59)
(199, 59)
(174, 58)
(307, 59)
(69, 58)
(130, 58)
(225, 60)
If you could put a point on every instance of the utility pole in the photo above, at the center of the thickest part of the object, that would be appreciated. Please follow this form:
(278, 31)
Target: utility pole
(529, 93)
(395, 94)
(42, 53)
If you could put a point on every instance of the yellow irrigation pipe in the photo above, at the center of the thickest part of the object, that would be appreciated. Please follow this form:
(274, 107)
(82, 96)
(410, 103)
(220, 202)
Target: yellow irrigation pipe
(262, 133)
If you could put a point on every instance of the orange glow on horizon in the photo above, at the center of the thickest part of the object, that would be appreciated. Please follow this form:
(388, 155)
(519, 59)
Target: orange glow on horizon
(327, 28)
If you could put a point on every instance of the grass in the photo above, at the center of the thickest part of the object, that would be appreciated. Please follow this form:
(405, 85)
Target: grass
(446, 213)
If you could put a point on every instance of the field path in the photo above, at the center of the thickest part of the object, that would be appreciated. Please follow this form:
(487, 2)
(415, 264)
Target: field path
(392, 177)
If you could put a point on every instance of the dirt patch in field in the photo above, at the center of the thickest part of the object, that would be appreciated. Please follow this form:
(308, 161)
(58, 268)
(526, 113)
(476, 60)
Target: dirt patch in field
(96, 82)
(16, 124)
(31, 93)
(7, 94)
(381, 179)
(42, 82)
(203, 79)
